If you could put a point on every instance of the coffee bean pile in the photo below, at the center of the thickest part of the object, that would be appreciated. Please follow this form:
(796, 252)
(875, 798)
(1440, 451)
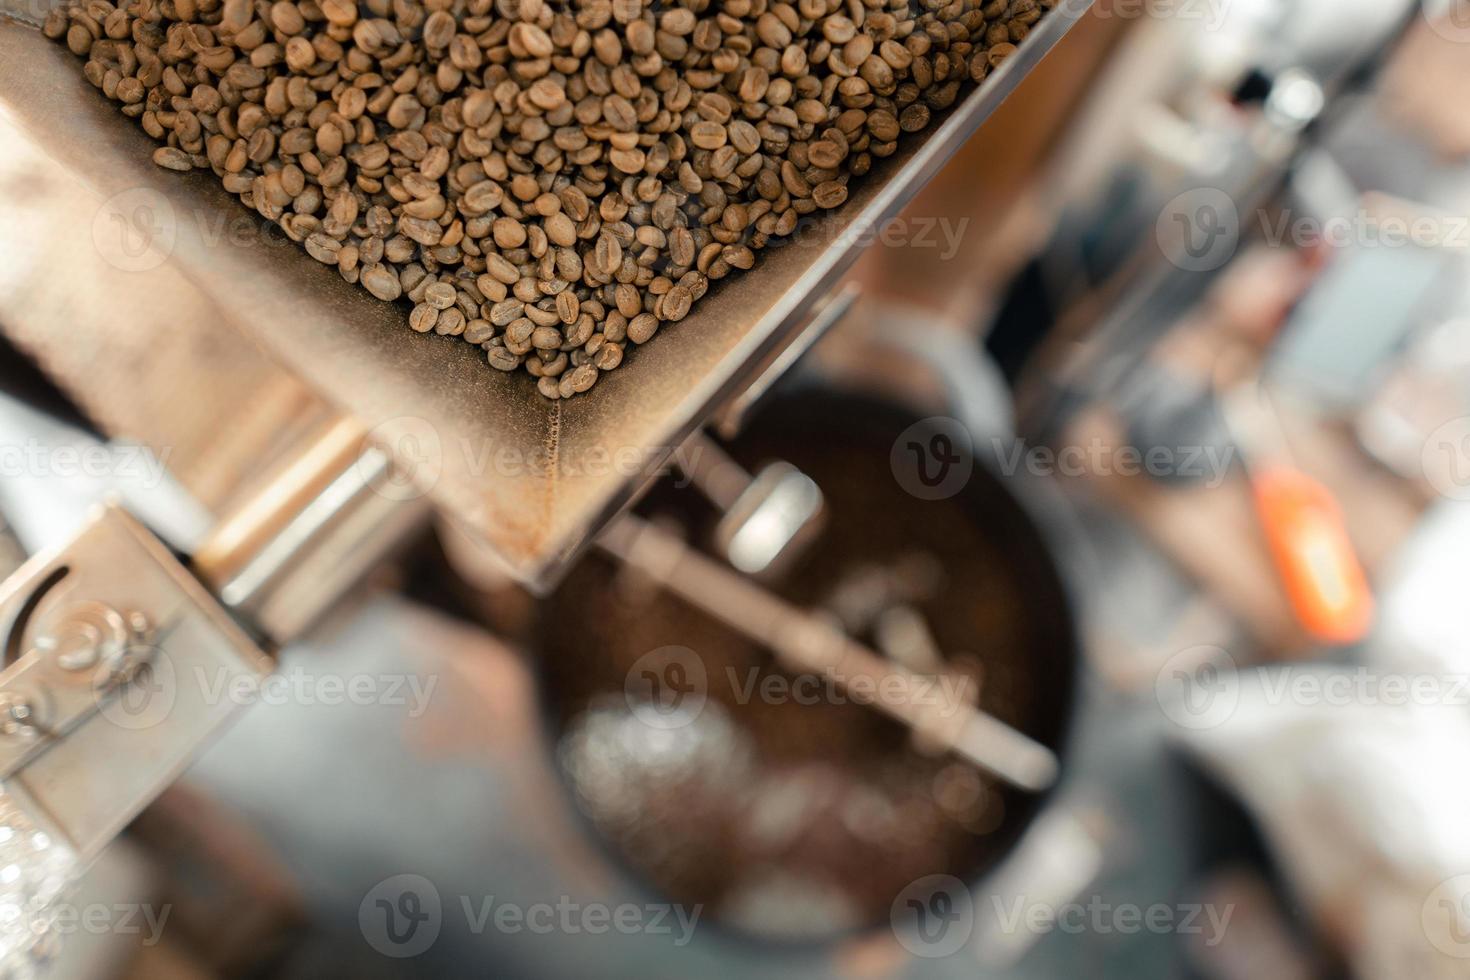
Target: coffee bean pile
(548, 180)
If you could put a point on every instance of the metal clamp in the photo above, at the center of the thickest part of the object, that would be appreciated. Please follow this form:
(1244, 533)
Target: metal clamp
(129, 667)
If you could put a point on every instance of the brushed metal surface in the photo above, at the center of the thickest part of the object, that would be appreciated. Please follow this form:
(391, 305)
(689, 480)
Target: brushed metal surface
(104, 757)
(534, 479)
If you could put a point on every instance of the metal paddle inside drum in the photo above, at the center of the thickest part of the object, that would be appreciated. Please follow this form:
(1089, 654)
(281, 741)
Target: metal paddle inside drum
(769, 795)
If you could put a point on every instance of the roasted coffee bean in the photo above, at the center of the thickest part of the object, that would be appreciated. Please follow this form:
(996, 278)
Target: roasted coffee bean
(608, 356)
(708, 135)
(582, 378)
(381, 282)
(323, 248)
(423, 317)
(440, 296)
(502, 359)
(609, 254)
(529, 177)
(914, 118)
(676, 303)
(451, 322)
(829, 194)
(883, 125)
(173, 158)
(825, 154)
(561, 230)
(642, 328)
(504, 313)
(502, 270)
(567, 307)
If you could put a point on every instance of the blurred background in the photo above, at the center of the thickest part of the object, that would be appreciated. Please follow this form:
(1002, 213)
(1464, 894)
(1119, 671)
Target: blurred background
(1146, 435)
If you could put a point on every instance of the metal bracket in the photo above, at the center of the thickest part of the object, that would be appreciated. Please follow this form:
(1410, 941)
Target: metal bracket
(129, 666)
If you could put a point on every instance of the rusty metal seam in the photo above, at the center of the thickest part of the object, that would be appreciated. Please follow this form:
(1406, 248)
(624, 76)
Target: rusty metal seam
(553, 459)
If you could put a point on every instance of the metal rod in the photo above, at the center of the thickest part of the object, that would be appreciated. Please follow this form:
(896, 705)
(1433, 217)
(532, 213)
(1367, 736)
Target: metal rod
(713, 471)
(242, 535)
(805, 642)
(295, 547)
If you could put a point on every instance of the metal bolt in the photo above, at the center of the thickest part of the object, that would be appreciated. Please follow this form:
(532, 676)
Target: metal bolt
(17, 715)
(85, 634)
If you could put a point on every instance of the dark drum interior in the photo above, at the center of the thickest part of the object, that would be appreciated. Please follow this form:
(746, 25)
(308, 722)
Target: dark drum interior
(805, 820)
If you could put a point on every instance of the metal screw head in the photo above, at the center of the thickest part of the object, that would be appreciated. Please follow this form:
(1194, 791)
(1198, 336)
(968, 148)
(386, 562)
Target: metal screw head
(77, 648)
(84, 634)
(17, 715)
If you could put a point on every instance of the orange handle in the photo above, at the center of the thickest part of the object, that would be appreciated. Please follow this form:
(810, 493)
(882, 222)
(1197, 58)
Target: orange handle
(1316, 560)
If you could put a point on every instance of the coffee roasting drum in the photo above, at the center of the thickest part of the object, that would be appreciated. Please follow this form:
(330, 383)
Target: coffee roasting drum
(532, 478)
